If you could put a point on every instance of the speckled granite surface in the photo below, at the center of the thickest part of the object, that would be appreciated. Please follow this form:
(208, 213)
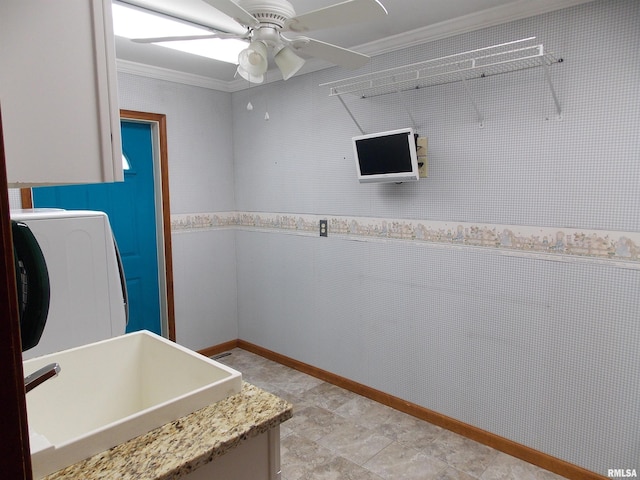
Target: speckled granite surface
(179, 447)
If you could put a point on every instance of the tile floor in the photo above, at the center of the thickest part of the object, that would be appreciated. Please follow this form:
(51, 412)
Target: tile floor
(337, 434)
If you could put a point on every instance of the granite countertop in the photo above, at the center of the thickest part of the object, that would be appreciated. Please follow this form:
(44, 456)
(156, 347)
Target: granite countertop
(179, 447)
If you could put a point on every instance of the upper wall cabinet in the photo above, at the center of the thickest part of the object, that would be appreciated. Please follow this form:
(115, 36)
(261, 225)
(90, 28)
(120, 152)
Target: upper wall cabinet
(58, 91)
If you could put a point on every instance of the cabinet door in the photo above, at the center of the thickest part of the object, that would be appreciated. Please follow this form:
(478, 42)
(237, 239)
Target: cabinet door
(58, 92)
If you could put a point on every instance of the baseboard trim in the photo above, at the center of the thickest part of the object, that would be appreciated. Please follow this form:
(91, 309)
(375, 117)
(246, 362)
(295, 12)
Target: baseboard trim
(216, 349)
(543, 460)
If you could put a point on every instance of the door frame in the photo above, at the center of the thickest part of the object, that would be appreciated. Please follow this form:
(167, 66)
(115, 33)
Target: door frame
(158, 123)
(15, 460)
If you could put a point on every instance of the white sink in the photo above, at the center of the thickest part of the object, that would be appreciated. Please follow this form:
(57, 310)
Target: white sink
(114, 390)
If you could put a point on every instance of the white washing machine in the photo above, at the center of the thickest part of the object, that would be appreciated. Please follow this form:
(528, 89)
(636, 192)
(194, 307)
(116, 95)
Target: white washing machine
(88, 299)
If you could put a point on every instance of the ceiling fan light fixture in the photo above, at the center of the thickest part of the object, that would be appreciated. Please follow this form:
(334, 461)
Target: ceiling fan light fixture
(288, 62)
(254, 58)
(263, 22)
(250, 77)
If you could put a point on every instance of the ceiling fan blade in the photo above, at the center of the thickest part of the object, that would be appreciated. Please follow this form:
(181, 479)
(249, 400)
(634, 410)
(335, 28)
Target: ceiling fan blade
(186, 37)
(345, 13)
(235, 11)
(332, 53)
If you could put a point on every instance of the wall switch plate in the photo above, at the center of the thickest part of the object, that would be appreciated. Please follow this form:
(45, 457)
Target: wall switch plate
(323, 228)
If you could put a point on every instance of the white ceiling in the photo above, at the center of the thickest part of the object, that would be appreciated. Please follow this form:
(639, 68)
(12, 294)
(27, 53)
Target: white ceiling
(409, 22)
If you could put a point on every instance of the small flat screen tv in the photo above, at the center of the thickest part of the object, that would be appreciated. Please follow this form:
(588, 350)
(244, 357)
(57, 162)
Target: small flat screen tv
(386, 156)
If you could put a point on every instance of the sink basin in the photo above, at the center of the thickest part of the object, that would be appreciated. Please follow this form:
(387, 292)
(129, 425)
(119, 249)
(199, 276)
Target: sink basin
(114, 390)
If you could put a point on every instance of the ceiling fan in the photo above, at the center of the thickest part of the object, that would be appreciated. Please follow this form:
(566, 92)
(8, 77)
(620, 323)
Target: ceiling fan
(265, 20)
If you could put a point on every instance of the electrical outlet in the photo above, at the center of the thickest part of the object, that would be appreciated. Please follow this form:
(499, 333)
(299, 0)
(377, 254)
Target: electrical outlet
(323, 228)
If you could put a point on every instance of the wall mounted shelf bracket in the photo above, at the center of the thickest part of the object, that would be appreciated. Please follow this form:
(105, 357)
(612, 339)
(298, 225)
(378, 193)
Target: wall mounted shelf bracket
(547, 77)
(402, 102)
(473, 103)
(351, 115)
(461, 67)
(406, 109)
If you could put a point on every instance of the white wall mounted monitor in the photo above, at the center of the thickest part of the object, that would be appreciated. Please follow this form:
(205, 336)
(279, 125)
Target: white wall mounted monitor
(386, 156)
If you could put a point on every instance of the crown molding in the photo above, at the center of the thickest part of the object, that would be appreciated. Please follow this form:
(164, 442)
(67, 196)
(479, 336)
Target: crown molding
(468, 23)
(151, 71)
(516, 10)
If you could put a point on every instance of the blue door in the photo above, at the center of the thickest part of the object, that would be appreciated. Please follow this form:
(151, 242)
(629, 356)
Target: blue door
(131, 209)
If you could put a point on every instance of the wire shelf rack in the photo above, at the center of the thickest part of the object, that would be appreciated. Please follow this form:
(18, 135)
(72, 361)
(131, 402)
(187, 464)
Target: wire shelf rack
(483, 62)
(461, 67)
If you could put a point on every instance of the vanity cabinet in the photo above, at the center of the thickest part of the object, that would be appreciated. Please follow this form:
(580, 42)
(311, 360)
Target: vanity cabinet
(237, 438)
(257, 458)
(58, 90)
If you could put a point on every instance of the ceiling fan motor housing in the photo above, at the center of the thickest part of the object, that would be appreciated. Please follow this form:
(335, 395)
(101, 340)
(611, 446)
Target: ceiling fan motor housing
(275, 12)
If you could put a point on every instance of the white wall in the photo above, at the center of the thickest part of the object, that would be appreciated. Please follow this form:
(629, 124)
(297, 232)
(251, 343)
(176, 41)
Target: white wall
(540, 348)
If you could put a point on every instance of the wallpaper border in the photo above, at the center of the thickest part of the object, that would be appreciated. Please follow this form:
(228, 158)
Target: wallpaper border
(568, 242)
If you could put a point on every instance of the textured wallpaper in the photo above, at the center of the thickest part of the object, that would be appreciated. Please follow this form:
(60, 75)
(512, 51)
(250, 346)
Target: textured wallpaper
(501, 290)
